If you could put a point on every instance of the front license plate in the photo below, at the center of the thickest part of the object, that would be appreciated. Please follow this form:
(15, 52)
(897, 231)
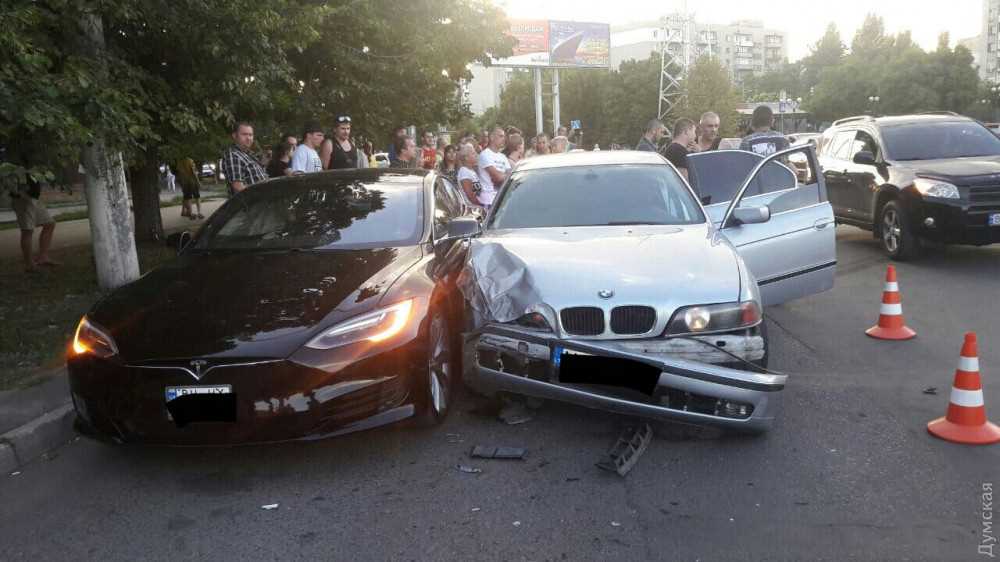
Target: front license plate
(994, 219)
(174, 392)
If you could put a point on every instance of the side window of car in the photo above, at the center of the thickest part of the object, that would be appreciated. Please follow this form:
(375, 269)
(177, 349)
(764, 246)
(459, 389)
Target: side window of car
(446, 207)
(864, 143)
(841, 145)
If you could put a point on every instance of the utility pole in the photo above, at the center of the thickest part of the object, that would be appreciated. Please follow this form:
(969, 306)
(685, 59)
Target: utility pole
(555, 101)
(538, 101)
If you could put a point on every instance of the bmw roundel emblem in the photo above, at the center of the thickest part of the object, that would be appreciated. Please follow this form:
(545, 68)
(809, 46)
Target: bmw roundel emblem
(605, 293)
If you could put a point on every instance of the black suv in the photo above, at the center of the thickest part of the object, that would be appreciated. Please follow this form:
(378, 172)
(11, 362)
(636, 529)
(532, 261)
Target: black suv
(932, 176)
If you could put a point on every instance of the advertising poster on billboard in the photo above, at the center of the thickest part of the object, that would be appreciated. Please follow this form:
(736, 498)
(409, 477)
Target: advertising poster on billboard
(564, 44)
(578, 44)
(532, 48)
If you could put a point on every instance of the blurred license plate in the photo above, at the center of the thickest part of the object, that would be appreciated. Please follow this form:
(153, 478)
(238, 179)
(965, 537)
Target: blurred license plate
(178, 391)
(994, 219)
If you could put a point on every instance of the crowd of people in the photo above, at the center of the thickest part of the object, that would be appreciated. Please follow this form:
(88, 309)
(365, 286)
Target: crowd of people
(687, 137)
(477, 163)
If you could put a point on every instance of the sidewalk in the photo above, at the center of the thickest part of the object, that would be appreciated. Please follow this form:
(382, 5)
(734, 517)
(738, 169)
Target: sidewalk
(7, 214)
(34, 420)
(77, 233)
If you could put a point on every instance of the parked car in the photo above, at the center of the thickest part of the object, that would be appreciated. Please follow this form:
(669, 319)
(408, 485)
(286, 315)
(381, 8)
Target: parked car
(601, 280)
(207, 171)
(306, 307)
(912, 178)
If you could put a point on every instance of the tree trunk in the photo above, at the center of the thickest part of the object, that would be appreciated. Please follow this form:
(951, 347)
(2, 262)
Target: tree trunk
(146, 199)
(107, 195)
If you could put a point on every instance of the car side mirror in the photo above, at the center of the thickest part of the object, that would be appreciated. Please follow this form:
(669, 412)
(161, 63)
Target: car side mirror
(461, 227)
(864, 157)
(751, 215)
(179, 240)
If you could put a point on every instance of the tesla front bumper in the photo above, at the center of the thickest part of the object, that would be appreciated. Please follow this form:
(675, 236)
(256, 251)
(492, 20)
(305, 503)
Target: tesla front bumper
(608, 376)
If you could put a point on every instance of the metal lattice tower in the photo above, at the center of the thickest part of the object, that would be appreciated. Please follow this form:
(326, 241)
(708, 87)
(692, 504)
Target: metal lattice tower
(676, 30)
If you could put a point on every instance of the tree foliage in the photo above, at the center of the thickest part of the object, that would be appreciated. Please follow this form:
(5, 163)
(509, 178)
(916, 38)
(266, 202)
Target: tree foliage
(709, 88)
(835, 83)
(613, 106)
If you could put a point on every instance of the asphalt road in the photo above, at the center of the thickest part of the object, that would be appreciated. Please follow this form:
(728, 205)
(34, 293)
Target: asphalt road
(848, 473)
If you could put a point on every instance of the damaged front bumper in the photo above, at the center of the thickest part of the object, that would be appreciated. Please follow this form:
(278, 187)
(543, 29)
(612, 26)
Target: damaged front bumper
(633, 378)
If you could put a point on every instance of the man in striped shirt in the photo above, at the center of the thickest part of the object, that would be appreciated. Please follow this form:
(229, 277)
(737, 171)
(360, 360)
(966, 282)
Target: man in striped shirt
(239, 166)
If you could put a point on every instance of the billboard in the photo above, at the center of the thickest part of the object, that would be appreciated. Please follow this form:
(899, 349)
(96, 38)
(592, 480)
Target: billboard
(579, 44)
(560, 44)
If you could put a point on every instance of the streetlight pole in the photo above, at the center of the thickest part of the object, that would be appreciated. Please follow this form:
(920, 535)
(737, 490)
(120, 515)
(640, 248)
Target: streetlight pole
(873, 100)
(993, 101)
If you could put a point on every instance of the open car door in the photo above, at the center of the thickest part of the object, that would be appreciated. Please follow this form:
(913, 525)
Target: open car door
(775, 211)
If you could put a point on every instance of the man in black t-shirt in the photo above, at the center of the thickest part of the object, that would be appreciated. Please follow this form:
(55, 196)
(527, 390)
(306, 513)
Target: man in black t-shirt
(677, 152)
(763, 140)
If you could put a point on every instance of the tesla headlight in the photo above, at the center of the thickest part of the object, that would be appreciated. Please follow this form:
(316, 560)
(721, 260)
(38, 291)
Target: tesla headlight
(935, 188)
(375, 326)
(93, 340)
(711, 318)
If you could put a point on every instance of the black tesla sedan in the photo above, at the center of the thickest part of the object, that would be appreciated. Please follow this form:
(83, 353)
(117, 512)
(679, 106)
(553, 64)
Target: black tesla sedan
(305, 307)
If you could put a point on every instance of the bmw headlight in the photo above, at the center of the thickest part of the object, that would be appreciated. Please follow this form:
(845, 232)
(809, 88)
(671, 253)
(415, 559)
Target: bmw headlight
(935, 188)
(376, 326)
(91, 339)
(712, 318)
(536, 317)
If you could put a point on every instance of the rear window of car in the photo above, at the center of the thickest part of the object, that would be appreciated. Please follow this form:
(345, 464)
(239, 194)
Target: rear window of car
(935, 140)
(344, 214)
(596, 196)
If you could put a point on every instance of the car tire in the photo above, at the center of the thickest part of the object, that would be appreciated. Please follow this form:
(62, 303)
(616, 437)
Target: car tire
(896, 235)
(436, 386)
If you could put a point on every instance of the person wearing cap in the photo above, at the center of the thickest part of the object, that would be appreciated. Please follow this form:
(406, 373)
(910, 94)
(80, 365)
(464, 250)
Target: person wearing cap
(339, 152)
(305, 159)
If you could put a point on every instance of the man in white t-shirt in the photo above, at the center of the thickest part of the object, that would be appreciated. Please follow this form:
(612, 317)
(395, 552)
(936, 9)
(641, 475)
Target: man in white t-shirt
(493, 167)
(305, 159)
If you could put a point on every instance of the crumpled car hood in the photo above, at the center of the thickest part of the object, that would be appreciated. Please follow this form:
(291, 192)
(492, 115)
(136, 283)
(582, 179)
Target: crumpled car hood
(657, 265)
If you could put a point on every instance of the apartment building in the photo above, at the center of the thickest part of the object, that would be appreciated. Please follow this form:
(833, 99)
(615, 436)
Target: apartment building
(746, 46)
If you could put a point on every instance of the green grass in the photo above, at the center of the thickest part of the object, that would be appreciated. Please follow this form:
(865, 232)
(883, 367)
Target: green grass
(39, 312)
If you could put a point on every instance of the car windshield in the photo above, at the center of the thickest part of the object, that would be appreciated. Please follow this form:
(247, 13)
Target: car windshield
(596, 196)
(932, 141)
(351, 214)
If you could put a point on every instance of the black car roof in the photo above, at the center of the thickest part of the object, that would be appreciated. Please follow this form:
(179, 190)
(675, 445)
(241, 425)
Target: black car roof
(400, 175)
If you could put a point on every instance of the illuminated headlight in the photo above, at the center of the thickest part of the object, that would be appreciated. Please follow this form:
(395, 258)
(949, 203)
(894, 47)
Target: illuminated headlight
(93, 340)
(711, 318)
(934, 188)
(375, 326)
(697, 319)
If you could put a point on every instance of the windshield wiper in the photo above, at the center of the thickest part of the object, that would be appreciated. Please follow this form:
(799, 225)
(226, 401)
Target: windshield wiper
(634, 223)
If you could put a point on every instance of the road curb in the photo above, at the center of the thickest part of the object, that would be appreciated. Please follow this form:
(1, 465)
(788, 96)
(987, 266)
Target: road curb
(24, 444)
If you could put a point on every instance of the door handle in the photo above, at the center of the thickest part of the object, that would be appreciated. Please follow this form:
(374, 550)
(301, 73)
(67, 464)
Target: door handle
(820, 224)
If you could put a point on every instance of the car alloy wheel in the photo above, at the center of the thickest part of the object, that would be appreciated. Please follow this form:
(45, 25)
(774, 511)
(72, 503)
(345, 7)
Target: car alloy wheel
(899, 241)
(439, 366)
(891, 232)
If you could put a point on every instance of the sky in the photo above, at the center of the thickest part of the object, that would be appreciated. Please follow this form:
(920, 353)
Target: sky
(803, 20)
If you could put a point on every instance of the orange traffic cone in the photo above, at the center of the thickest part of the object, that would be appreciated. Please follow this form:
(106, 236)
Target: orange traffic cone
(890, 319)
(966, 419)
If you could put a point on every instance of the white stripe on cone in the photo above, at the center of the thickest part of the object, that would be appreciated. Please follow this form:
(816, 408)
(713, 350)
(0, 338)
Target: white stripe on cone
(891, 309)
(891, 287)
(968, 364)
(967, 398)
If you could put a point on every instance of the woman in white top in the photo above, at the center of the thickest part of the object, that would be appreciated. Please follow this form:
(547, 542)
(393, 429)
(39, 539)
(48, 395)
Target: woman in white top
(468, 179)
